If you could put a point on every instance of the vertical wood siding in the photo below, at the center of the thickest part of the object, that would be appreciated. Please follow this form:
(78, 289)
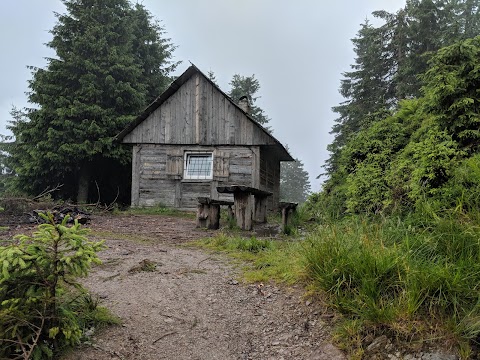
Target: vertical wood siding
(197, 113)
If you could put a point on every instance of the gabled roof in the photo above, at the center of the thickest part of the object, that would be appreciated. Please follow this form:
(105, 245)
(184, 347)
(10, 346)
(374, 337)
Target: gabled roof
(174, 86)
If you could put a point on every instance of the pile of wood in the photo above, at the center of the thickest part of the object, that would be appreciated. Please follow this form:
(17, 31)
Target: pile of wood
(59, 213)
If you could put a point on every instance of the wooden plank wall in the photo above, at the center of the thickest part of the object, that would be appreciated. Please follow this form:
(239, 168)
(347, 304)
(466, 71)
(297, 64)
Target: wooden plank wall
(158, 170)
(270, 176)
(197, 113)
(154, 186)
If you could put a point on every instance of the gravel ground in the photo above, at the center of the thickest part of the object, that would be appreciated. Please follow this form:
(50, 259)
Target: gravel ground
(193, 305)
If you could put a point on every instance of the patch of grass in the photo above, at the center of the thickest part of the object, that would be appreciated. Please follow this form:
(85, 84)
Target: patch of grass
(157, 210)
(348, 337)
(282, 263)
(268, 260)
(298, 222)
(90, 313)
(192, 271)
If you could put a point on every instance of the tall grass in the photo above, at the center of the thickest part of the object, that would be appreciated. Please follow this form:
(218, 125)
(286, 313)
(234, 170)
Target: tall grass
(391, 270)
(413, 277)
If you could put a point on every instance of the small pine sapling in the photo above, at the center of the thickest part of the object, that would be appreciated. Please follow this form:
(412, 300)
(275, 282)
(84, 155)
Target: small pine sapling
(38, 276)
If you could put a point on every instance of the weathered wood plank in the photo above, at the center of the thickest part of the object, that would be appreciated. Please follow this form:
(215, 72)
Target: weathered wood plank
(214, 217)
(197, 109)
(241, 179)
(261, 209)
(222, 135)
(255, 167)
(202, 215)
(243, 211)
(210, 118)
(216, 121)
(167, 109)
(203, 112)
(236, 189)
(179, 125)
(230, 123)
(135, 175)
(239, 169)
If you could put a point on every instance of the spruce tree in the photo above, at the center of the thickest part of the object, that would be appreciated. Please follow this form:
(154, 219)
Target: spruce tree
(390, 60)
(111, 61)
(248, 86)
(211, 76)
(365, 89)
(294, 183)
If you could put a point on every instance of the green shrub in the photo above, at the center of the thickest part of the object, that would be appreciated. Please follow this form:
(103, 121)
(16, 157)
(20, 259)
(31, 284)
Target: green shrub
(42, 305)
(462, 191)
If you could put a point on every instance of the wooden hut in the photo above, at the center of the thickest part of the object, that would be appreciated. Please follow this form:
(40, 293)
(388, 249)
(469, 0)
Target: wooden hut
(193, 138)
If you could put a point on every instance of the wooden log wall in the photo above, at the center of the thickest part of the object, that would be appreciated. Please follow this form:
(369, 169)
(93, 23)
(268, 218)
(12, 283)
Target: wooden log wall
(157, 174)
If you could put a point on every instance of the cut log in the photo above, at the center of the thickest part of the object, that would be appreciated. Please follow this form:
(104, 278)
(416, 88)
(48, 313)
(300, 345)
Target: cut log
(213, 221)
(243, 210)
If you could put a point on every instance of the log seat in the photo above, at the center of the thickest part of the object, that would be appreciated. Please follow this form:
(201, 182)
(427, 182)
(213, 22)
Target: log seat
(245, 210)
(208, 212)
(287, 209)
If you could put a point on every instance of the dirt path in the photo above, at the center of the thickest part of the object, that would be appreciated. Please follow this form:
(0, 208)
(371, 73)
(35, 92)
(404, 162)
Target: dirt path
(192, 306)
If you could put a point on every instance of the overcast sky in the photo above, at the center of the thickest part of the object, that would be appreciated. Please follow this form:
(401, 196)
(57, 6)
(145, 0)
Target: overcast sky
(296, 49)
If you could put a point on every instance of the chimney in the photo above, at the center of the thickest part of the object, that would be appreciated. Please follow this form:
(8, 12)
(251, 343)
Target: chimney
(244, 104)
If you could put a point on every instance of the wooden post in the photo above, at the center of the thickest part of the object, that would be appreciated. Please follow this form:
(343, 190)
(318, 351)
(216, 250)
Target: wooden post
(285, 211)
(243, 210)
(202, 215)
(260, 209)
(214, 217)
(230, 213)
(287, 208)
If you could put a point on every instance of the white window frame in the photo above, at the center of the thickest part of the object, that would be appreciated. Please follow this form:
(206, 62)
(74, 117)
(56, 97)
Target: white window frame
(186, 176)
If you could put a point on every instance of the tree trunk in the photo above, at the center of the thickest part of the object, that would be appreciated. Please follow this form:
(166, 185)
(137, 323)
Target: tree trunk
(83, 184)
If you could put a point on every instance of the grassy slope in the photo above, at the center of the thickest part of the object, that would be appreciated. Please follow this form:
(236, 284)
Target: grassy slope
(413, 281)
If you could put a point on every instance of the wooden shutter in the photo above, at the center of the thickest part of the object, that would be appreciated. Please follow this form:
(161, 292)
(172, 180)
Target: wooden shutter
(174, 168)
(221, 164)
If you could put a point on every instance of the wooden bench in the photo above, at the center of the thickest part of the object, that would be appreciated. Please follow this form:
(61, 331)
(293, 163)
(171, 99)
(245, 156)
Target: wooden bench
(287, 208)
(245, 210)
(208, 212)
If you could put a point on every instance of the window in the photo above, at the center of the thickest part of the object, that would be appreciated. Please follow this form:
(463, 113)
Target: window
(198, 166)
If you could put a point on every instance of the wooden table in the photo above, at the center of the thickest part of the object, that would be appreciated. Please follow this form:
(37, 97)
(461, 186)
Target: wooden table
(245, 210)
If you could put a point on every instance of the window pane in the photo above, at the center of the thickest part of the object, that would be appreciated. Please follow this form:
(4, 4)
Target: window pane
(199, 166)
